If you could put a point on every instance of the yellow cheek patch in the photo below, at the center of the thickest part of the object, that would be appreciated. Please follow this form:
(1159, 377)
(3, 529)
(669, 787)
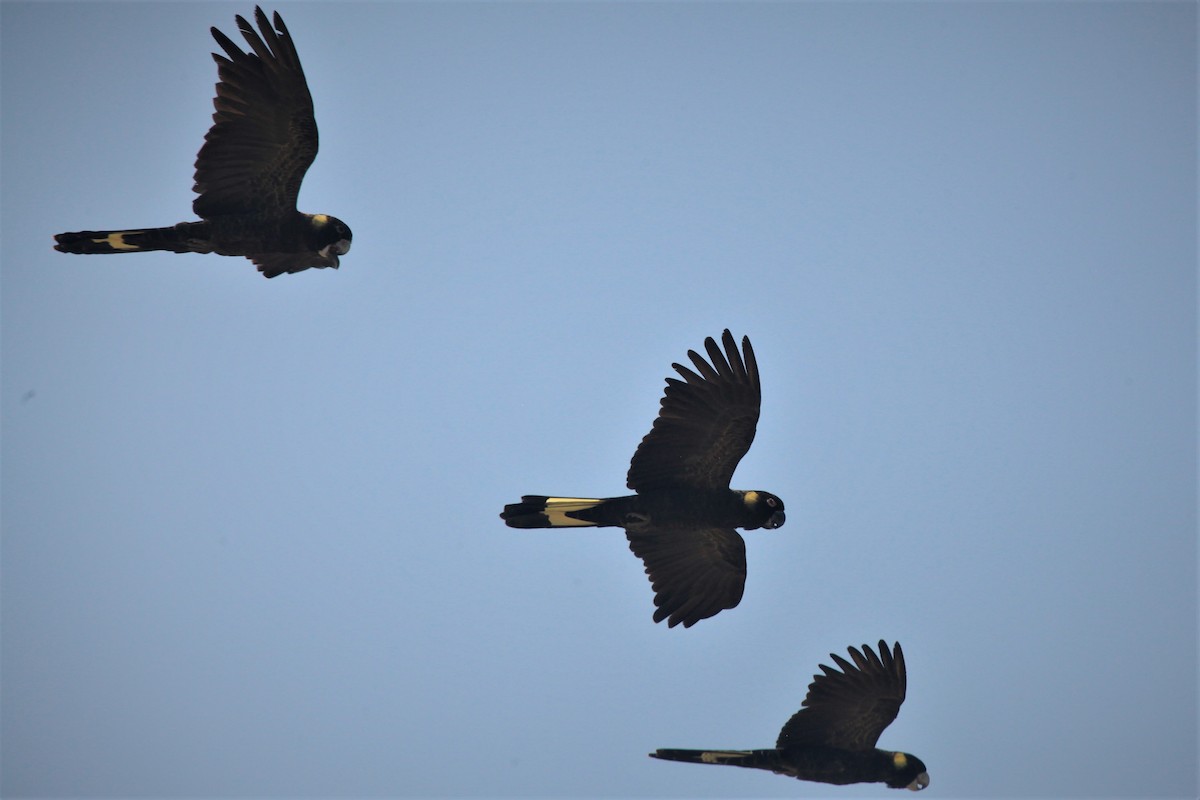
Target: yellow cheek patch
(899, 760)
(320, 219)
(750, 499)
(117, 241)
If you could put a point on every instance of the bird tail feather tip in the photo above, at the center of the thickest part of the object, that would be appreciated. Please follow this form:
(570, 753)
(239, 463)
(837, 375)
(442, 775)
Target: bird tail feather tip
(539, 511)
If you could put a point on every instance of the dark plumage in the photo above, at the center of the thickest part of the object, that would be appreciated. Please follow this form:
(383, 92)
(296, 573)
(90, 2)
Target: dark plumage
(681, 521)
(831, 739)
(248, 173)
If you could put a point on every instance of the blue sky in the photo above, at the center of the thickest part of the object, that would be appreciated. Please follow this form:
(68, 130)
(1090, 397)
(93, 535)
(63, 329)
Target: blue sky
(250, 534)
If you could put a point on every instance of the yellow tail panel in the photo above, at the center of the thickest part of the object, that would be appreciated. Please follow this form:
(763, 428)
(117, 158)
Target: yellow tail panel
(557, 509)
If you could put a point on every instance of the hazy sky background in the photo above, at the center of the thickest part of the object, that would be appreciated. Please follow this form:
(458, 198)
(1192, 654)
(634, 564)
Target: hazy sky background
(250, 532)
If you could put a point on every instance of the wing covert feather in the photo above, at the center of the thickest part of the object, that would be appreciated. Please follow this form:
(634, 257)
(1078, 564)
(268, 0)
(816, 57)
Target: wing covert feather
(264, 134)
(706, 422)
(695, 573)
(851, 708)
